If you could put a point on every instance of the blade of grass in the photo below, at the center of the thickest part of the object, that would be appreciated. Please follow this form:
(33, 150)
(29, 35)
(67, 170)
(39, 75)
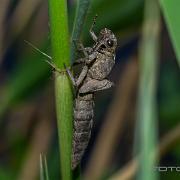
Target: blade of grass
(44, 175)
(46, 168)
(171, 14)
(146, 115)
(81, 12)
(63, 92)
(41, 168)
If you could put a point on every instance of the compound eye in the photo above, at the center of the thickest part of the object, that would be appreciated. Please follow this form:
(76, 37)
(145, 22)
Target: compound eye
(110, 43)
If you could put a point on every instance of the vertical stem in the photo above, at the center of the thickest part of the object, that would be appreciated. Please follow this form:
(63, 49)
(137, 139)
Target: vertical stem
(64, 121)
(59, 32)
(147, 118)
(63, 92)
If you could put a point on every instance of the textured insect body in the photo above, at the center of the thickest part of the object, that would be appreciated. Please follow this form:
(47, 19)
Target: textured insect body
(83, 120)
(98, 63)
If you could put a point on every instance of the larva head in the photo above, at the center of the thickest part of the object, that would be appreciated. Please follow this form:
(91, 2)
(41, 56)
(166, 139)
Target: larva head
(107, 41)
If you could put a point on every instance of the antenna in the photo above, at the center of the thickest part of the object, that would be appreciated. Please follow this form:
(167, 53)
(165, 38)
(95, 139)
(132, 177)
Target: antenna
(44, 54)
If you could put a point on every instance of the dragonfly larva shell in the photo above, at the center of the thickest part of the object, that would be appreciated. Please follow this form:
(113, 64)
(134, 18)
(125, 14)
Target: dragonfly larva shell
(98, 63)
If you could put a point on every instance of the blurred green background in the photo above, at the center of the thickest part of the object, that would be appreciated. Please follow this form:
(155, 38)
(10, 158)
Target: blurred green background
(27, 111)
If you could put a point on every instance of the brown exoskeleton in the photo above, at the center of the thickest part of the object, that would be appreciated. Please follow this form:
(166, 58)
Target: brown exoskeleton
(98, 63)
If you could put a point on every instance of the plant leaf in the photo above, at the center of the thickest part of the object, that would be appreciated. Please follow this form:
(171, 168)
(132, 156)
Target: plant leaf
(171, 14)
(146, 132)
(44, 174)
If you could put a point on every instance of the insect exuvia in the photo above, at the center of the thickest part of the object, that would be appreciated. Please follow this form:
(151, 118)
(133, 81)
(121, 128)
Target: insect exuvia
(97, 64)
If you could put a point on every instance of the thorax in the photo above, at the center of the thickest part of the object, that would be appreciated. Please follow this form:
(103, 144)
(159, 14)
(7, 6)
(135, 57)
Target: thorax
(102, 66)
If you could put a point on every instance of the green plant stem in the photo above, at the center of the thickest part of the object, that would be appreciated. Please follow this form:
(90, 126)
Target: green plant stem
(59, 32)
(63, 91)
(64, 118)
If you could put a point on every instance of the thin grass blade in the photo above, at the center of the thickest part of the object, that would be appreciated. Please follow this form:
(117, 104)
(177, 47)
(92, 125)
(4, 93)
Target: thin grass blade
(44, 174)
(146, 130)
(171, 14)
(81, 12)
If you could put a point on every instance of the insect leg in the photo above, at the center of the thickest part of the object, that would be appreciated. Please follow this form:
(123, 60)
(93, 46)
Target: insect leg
(93, 35)
(70, 75)
(82, 75)
(94, 85)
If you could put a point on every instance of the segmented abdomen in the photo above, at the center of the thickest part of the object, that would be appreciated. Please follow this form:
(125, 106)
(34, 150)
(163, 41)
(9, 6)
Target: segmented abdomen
(83, 120)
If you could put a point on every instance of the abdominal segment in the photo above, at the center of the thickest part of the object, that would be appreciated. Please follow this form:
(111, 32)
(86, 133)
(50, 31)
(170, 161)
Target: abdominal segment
(83, 120)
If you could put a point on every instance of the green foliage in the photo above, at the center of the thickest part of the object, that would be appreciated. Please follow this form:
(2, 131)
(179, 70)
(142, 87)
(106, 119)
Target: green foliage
(5, 175)
(171, 15)
(169, 90)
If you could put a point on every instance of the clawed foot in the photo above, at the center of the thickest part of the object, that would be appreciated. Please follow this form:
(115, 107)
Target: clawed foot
(70, 75)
